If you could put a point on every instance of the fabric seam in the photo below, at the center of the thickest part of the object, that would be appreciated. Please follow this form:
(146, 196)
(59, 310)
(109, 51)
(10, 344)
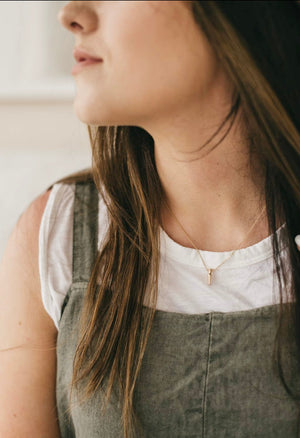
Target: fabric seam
(206, 375)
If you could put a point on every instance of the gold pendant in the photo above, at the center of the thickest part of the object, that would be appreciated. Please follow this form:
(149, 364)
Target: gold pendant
(209, 275)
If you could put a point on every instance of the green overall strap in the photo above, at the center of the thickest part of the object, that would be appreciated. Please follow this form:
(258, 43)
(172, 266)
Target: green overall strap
(85, 230)
(85, 233)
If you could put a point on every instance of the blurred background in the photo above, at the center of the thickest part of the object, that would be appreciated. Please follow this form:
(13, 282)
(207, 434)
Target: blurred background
(41, 140)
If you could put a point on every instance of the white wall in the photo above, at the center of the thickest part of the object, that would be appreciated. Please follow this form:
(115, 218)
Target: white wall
(41, 140)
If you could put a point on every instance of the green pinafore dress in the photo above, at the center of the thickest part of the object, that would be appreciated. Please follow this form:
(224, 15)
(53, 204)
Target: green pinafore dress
(206, 375)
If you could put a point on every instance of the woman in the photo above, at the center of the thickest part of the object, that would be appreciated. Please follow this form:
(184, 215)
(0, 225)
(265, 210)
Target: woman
(170, 301)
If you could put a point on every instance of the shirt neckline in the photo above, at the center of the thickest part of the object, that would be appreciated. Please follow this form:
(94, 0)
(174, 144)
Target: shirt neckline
(260, 251)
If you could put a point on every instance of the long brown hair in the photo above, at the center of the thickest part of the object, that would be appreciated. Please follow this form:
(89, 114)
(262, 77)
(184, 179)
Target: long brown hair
(257, 43)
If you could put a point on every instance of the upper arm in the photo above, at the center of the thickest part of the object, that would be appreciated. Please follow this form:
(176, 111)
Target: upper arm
(27, 336)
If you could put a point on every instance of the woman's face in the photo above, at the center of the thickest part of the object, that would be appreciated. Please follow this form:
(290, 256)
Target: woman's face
(155, 60)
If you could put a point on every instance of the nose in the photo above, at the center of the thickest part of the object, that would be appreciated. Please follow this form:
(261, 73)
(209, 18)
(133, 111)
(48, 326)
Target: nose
(78, 16)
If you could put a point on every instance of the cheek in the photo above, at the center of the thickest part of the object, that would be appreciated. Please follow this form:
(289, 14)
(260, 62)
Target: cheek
(156, 72)
(148, 68)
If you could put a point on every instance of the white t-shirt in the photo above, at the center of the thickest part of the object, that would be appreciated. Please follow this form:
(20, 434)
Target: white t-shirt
(247, 280)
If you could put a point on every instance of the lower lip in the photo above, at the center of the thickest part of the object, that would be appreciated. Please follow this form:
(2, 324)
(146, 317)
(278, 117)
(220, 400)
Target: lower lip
(82, 64)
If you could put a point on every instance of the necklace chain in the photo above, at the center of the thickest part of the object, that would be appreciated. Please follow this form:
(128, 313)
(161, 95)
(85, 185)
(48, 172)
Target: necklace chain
(211, 270)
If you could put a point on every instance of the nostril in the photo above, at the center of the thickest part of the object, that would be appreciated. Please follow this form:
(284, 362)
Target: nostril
(74, 25)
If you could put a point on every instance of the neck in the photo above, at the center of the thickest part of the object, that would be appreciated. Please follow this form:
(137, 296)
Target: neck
(213, 211)
(216, 194)
(216, 197)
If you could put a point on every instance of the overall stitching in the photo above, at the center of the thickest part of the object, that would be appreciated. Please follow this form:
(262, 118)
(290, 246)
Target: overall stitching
(207, 373)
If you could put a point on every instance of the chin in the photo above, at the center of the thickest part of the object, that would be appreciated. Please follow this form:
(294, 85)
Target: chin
(84, 114)
(89, 115)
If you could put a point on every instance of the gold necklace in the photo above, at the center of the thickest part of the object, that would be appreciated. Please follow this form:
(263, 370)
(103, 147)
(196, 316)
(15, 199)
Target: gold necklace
(211, 270)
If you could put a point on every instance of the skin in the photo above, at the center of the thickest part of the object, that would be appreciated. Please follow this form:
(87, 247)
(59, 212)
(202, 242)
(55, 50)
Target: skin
(159, 72)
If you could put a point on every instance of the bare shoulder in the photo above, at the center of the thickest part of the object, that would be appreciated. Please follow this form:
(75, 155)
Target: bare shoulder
(28, 224)
(19, 267)
(27, 335)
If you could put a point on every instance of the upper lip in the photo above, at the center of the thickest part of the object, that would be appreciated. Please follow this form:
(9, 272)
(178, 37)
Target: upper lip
(81, 55)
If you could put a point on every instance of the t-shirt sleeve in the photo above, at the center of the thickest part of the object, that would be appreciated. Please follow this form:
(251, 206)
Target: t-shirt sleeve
(55, 248)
